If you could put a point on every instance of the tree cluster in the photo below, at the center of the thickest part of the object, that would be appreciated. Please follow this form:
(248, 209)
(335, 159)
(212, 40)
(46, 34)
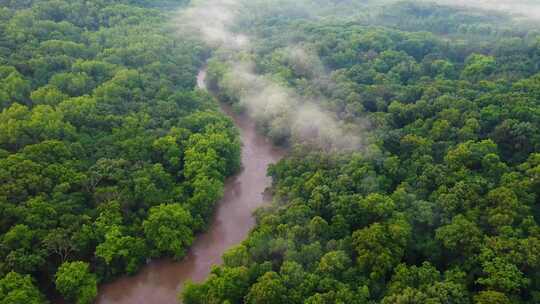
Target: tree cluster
(443, 204)
(109, 156)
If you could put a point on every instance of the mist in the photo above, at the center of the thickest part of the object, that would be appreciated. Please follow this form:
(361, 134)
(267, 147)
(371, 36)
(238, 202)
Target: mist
(282, 112)
(211, 21)
(519, 8)
(287, 114)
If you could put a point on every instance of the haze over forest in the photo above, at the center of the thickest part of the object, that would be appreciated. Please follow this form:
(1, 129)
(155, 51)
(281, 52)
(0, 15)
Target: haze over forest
(411, 130)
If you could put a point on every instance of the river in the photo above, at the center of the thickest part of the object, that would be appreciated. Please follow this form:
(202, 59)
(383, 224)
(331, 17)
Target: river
(160, 280)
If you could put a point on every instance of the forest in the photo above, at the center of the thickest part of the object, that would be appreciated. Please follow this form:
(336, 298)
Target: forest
(412, 128)
(440, 203)
(108, 155)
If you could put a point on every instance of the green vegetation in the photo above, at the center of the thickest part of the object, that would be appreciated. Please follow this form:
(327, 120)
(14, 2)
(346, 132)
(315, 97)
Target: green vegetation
(441, 206)
(75, 282)
(19, 289)
(108, 155)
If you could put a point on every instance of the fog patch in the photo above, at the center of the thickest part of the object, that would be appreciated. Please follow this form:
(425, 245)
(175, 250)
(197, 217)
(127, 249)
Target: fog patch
(211, 20)
(522, 8)
(282, 112)
(285, 114)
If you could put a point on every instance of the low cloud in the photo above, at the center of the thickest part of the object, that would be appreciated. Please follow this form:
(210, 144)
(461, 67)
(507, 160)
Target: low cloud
(286, 114)
(211, 21)
(521, 8)
(282, 112)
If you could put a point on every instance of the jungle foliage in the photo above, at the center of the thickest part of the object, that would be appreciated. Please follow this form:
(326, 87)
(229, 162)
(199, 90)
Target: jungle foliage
(442, 206)
(108, 154)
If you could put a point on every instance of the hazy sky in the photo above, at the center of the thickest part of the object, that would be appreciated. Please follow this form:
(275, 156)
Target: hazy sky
(528, 8)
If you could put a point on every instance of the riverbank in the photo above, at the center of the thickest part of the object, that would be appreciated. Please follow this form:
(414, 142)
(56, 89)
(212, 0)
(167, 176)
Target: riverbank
(160, 280)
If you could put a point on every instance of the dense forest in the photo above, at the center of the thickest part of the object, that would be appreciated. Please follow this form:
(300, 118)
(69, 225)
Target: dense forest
(108, 155)
(441, 203)
(413, 129)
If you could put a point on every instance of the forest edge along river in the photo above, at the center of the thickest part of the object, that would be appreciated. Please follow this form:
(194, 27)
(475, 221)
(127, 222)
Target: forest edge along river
(159, 281)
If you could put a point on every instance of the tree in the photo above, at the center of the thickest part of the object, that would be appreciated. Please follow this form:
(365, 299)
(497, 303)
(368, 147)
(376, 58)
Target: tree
(121, 253)
(168, 228)
(20, 250)
(59, 242)
(491, 297)
(19, 289)
(461, 237)
(478, 66)
(75, 281)
(334, 263)
(48, 95)
(269, 289)
(516, 138)
(236, 256)
(223, 285)
(380, 247)
(16, 87)
(413, 284)
(73, 84)
(502, 276)
(505, 208)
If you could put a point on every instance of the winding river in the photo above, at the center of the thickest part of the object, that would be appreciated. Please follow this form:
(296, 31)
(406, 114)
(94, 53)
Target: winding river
(160, 280)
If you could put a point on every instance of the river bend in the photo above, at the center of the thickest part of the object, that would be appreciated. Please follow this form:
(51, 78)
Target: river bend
(160, 280)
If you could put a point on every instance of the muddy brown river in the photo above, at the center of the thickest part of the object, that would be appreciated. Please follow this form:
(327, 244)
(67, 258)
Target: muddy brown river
(160, 280)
